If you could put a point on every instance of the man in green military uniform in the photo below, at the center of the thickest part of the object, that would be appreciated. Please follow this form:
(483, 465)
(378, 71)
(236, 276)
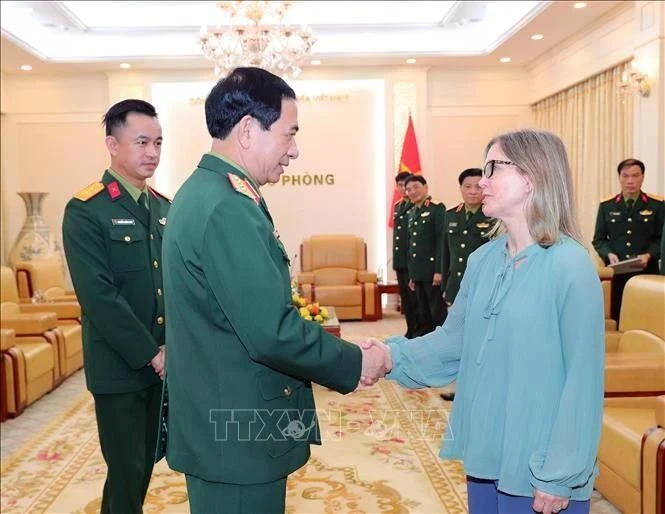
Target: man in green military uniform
(112, 235)
(241, 360)
(425, 257)
(465, 229)
(629, 225)
(407, 297)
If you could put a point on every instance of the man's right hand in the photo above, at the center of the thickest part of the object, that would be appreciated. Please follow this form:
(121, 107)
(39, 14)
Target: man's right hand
(376, 361)
(613, 258)
(158, 362)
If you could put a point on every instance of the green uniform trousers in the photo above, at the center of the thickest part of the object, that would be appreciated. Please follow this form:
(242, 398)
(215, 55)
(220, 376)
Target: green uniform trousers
(127, 425)
(432, 310)
(221, 498)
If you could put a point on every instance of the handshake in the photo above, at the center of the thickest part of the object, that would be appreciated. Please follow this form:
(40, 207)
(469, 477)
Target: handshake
(376, 361)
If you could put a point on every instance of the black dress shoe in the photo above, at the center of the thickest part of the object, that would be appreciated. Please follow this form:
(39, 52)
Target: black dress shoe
(449, 397)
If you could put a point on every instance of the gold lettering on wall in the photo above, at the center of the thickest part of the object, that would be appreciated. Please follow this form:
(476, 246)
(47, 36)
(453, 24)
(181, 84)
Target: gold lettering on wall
(308, 179)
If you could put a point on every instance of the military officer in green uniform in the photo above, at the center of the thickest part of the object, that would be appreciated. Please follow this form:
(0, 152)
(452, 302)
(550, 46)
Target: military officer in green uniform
(112, 235)
(629, 224)
(465, 229)
(425, 257)
(241, 359)
(407, 297)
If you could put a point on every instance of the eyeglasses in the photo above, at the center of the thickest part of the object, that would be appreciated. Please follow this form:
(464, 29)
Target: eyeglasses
(488, 170)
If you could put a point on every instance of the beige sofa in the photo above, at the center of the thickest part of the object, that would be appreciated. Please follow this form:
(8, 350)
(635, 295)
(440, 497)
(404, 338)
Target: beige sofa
(334, 273)
(632, 454)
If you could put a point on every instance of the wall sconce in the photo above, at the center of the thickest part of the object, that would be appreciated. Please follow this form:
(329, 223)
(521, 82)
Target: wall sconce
(633, 81)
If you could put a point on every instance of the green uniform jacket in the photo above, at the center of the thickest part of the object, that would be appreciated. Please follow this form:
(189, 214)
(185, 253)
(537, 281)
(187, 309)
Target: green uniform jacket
(401, 234)
(241, 359)
(461, 238)
(630, 232)
(113, 248)
(426, 240)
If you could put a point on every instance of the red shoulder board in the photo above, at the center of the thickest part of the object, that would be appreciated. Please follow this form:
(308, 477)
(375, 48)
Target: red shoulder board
(157, 193)
(114, 190)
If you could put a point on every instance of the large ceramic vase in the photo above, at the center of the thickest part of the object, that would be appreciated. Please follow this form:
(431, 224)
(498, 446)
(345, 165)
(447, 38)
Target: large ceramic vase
(35, 241)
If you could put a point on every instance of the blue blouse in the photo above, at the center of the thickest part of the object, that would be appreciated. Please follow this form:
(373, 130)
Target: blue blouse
(526, 344)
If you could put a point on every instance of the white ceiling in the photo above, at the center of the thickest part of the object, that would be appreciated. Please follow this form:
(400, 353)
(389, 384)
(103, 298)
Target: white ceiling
(67, 35)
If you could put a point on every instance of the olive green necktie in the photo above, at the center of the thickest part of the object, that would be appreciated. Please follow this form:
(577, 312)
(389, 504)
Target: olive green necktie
(143, 201)
(468, 215)
(630, 203)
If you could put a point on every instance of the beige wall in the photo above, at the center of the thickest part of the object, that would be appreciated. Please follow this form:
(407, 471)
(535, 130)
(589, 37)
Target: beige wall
(51, 137)
(51, 141)
(466, 109)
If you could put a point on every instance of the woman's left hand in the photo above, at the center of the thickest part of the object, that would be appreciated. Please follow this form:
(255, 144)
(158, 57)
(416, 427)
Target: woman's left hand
(548, 503)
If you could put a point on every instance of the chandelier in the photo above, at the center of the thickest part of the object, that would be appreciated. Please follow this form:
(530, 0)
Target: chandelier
(255, 36)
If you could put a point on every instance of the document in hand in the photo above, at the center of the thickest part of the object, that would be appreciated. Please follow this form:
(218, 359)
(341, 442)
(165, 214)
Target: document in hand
(628, 266)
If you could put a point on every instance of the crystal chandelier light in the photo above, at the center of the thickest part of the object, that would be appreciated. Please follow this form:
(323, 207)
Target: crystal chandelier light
(255, 36)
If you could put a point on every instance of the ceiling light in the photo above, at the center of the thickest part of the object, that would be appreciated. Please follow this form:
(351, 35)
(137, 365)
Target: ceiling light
(26, 67)
(505, 59)
(579, 5)
(125, 65)
(411, 61)
(537, 37)
(315, 62)
(255, 35)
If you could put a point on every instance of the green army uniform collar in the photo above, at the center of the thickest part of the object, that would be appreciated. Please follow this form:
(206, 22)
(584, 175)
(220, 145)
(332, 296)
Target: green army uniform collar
(238, 168)
(425, 202)
(222, 165)
(133, 191)
(118, 193)
(472, 211)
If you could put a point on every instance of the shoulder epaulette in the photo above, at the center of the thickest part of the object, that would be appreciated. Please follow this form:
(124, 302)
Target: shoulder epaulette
(88, 192)
(658, 198)
(244, 187)
(157, 193)
(611, 197)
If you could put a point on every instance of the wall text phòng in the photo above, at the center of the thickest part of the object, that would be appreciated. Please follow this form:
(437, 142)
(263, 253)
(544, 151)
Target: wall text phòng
(308, 179)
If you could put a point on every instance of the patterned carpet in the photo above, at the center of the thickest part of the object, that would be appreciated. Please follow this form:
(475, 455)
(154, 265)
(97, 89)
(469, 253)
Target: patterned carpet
(380, 454)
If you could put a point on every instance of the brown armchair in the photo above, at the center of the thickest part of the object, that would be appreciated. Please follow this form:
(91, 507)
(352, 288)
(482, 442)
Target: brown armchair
(635, 355)
(606, 276)
(28, 319)
(46, 276)
(334, 273)
(631, 456)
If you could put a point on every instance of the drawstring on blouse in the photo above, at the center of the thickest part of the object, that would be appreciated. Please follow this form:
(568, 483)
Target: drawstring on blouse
(499, 291)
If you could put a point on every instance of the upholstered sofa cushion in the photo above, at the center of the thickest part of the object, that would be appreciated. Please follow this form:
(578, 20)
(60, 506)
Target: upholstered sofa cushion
(339, 296)
(39, 359)
(334, 277)
(635, 363)
(643, 305)
(621, 441)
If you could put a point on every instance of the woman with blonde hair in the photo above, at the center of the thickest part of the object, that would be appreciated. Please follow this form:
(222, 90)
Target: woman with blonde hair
(524, 340)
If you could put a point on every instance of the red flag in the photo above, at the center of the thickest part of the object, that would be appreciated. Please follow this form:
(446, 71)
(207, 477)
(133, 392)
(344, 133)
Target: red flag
(409, 161)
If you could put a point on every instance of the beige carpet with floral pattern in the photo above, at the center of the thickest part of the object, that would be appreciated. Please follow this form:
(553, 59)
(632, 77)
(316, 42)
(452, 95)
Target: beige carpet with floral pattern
(380, 454)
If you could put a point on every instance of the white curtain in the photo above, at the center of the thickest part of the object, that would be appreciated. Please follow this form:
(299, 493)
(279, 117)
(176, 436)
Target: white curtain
(595, 122)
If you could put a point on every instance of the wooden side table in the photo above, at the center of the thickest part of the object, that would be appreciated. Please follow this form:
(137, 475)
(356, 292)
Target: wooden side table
(386, 288)
(331, 325)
